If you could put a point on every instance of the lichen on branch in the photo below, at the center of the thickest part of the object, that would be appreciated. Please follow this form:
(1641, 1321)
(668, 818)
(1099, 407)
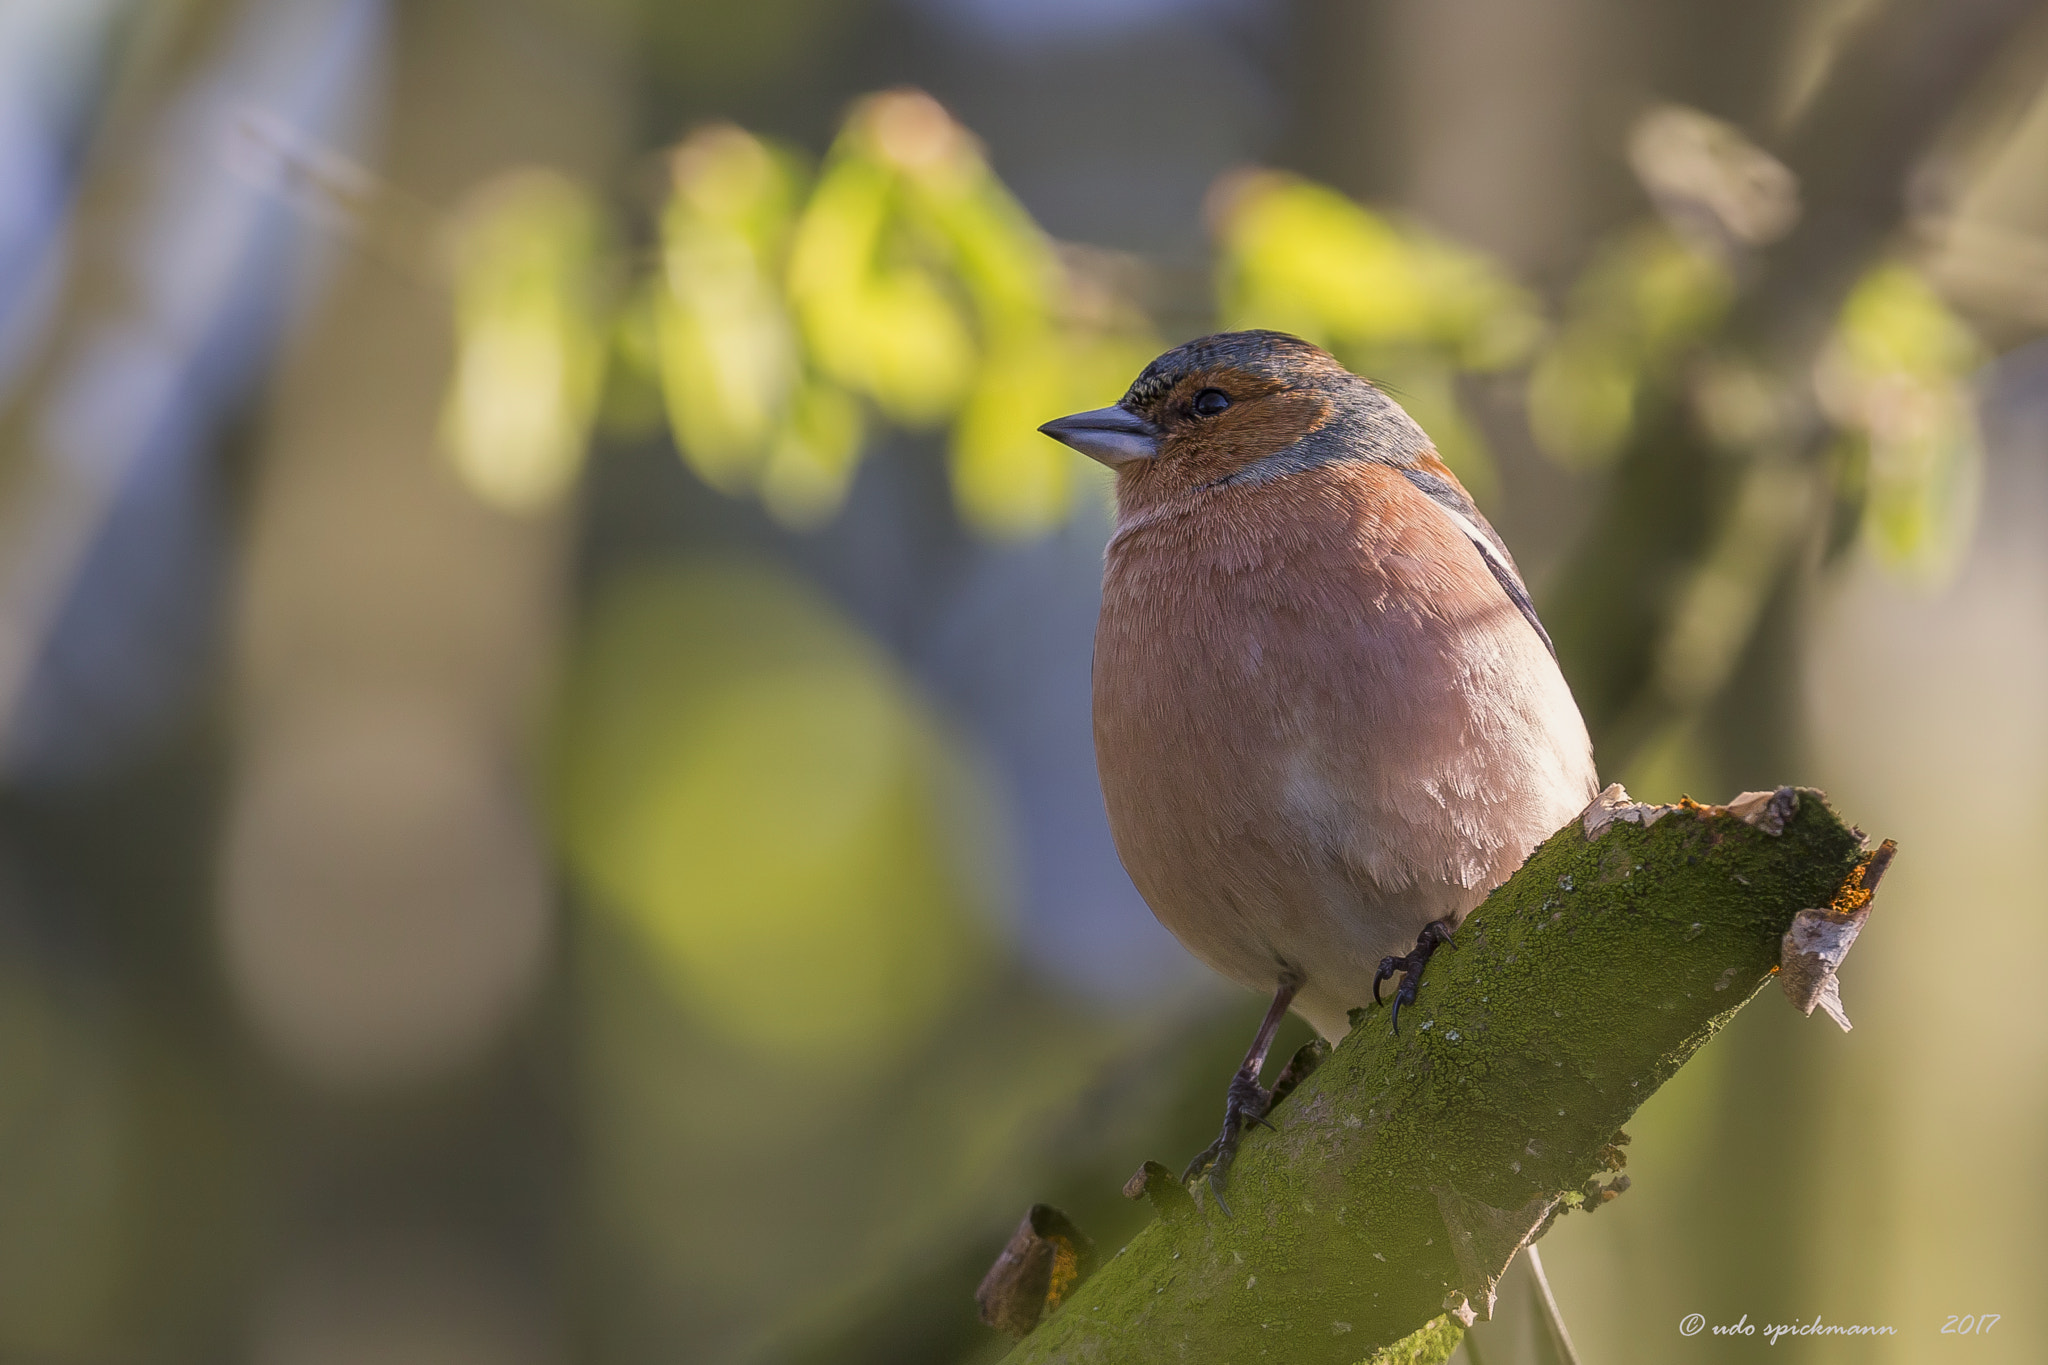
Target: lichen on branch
(1408, 1170)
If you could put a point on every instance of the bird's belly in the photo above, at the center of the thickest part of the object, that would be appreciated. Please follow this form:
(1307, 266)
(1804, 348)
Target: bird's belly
(1278, 822)
(1270, 880)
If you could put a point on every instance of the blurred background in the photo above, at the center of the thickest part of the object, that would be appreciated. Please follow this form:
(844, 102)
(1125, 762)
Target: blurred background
(546, 800)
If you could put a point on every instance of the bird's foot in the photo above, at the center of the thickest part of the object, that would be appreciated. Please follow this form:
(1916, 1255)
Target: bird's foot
(1248, 1102)
(1410, 967)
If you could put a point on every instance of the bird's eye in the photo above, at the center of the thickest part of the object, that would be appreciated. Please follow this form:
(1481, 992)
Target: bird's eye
(1209, 402)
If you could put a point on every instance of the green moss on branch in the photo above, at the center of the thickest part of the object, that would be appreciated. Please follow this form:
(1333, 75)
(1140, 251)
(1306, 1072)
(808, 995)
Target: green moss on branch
(1408, 1170)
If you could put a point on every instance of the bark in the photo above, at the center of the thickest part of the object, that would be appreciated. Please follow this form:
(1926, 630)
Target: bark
(1407, 1171)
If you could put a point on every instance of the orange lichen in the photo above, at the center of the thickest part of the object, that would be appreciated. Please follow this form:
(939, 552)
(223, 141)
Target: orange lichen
(1854, 894)
(1066, 1272)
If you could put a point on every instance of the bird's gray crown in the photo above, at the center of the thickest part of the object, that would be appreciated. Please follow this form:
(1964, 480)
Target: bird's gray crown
(1267, 355)
(1365, 425)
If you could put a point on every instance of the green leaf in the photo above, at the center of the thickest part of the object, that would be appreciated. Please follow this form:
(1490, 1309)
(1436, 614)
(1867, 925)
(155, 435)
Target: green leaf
(1896, 378)
(1641, 302)
(729, 359)
(531, 332)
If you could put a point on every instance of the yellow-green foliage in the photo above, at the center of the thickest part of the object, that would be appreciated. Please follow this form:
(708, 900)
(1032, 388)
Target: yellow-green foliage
(1644, 297)
(727, 352)
(789, 315)
(906, 278)
(1395, 302)
(1896, 381)
(530, 338)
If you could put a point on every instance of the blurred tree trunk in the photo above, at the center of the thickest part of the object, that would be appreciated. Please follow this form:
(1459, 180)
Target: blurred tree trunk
(388, 914)
(1500, 123)
(1338, 71)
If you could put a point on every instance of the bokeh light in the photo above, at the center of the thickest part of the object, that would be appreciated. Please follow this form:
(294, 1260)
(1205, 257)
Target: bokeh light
(530, 338)
(382, 912)
(761, 793)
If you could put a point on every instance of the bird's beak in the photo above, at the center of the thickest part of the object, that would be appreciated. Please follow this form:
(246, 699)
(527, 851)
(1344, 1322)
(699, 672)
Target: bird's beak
(1113, 435)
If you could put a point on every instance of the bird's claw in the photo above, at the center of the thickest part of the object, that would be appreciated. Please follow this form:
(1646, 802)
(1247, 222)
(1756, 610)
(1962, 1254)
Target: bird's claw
(1247, 1103)
(1433, 934)
(1216, 1190)
(1388, 967)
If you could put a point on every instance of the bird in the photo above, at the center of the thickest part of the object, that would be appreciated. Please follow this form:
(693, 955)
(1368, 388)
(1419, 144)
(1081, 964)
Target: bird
(1327, 718)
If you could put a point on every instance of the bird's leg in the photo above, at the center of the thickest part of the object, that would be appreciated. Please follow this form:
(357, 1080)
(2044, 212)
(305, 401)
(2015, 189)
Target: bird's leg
(1433, 933)
(1247, 1101)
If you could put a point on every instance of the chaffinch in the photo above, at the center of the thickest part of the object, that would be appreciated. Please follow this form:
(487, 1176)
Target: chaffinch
(1327, 719)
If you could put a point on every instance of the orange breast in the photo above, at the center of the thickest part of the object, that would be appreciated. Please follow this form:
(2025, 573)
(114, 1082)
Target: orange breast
(1320, 724)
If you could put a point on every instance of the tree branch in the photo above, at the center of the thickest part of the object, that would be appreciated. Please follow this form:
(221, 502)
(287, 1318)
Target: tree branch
(1407, 1171)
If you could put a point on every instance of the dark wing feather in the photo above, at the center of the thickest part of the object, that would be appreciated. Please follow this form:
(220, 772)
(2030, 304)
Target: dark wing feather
(1452, 500)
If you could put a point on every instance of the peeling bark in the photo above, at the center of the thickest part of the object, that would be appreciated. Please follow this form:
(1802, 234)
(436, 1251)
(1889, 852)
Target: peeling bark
(1407, 1171)
(1045, 1258)
(1818, 940)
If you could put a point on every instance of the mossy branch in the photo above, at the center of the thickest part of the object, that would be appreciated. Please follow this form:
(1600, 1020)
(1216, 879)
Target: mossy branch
(1407, 1171)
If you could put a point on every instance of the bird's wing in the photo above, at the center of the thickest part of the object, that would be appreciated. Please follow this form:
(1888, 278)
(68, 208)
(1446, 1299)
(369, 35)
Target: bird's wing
(1436, 482)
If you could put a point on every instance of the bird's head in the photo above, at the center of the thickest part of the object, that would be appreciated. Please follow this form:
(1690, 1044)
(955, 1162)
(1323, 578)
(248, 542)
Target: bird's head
(1237, 408)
